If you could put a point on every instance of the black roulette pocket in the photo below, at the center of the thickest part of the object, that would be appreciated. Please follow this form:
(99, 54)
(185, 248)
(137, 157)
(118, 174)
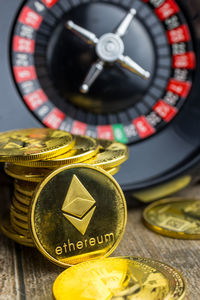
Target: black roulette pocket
(124, 70)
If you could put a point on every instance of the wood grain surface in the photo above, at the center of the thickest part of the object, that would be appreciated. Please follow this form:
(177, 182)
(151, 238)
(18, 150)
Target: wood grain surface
(26, 275)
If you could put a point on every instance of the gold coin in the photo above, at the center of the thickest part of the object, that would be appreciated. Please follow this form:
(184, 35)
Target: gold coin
(78, 213)
(18, 214)
(119, 278)
(8, 230)
(174, 217)
(22, 198)
(19, 229)
(25, 187)
(113, 171)
(111, 154)
(85, 147)
(19, 206)
(177, 286)
(19, 222)
(26, 173)
(33, 144)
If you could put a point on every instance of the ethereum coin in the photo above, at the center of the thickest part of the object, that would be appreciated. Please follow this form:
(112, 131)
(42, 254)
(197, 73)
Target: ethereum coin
(78, 213)
(85, 147)
(33, 144)
(25, 187)
(120, 278)
(26, 173)
(174, 217)
(22, 198)
(111, 154)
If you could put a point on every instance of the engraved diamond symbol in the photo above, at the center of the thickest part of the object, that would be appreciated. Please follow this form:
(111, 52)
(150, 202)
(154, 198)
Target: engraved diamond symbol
(78, 207)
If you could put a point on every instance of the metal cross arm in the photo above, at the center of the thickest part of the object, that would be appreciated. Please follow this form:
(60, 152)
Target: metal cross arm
(124, 25)
(127, 63)
(93, 73)
(84, 34)
(109, 49)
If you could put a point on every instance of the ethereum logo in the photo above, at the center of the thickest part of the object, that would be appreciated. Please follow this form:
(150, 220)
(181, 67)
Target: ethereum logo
(78, 207)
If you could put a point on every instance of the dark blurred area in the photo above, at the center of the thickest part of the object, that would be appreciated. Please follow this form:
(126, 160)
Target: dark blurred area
(6, 186)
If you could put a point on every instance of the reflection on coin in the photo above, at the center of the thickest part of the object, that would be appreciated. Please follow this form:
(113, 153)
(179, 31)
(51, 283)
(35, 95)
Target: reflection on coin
(84, 148)
(78, 213)
(22, 198)
(33, 144)
(111, 154)
(7, 229)
(26, 173)
(174, 217)
(25, 187)
(119, 278)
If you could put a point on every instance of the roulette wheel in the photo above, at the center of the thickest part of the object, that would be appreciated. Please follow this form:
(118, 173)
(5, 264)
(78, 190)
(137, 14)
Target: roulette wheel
(127, 70)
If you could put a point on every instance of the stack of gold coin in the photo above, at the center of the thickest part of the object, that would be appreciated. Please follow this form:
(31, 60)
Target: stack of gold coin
(108, 155)
(27, 145)
(67, 204)
(31, 154)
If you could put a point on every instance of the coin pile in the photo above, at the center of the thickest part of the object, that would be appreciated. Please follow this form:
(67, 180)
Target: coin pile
(67, 204)
(32, 154)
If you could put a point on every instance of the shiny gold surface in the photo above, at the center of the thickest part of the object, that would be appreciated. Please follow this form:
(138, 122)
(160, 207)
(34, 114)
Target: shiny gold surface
(77, 205)
(8, 230)
(26, 173)
(78, 213)
(33, 144)
(120, 279)
(25, 187)
(111, 154)
(85, 147)
(174, 217)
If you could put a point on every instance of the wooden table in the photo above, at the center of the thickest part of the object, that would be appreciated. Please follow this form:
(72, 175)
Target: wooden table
(26, 274)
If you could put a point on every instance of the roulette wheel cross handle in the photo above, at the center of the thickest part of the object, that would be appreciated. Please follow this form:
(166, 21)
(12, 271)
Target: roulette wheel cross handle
(109, 49)
(125, 23)
(87, 36)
